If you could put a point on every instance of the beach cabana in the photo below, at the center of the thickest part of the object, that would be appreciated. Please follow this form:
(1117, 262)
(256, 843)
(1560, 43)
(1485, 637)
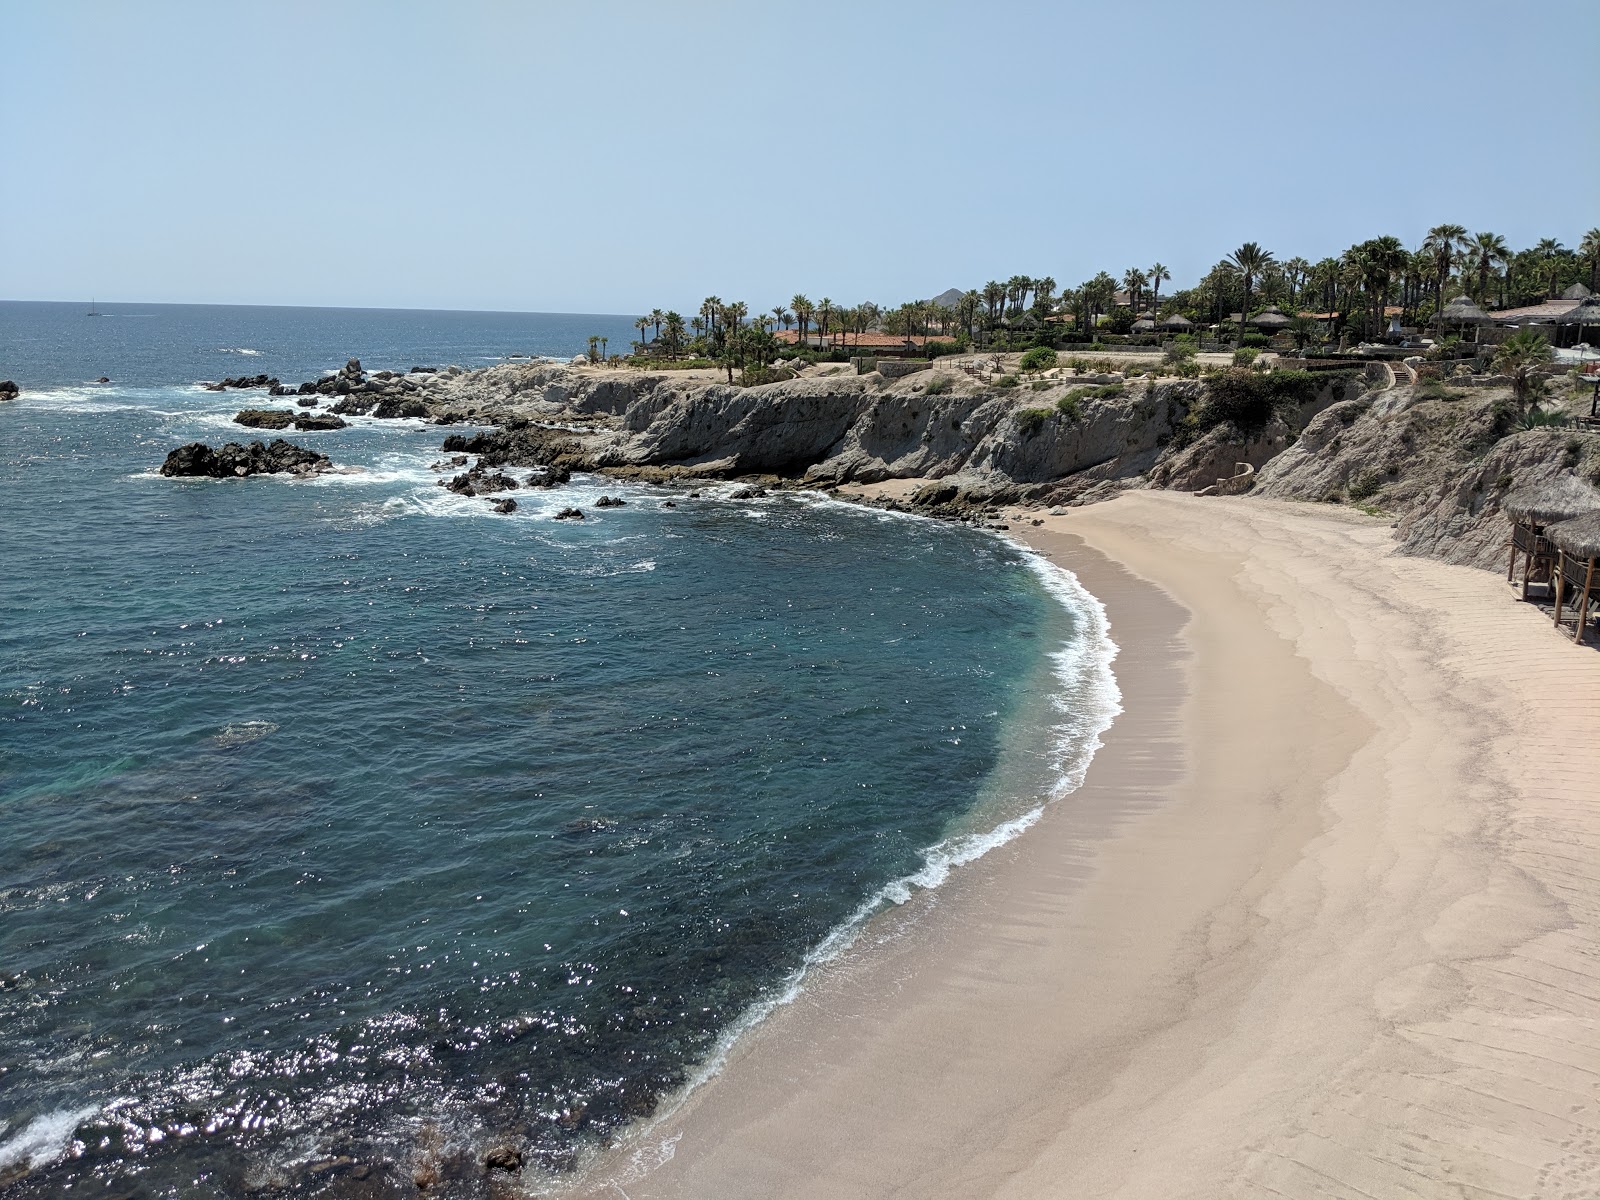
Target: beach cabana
(1271, 318)
(1462, 312)
(1176, 323)
(1531, 509)
(1146, 322)
(1577, 573)
(1585, 315)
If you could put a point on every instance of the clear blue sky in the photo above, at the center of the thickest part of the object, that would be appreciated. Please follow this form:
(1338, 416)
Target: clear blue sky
(613, 157)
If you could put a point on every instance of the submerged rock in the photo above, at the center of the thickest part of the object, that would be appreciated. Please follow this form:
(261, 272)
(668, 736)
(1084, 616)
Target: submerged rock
(9, 390)
(232, 460)
(508, 505)
(610, 502)
(479, 481)
(503, 1158)
(570, 514)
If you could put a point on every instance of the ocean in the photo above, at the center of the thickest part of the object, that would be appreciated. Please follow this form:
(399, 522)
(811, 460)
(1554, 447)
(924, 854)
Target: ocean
(349, 830)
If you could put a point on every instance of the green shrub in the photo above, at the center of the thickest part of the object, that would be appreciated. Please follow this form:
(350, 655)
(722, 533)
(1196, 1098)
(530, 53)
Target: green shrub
(1031, 420)
(1006, 381)
(936, 349)
(1038, 359)
(1244, 356)
(1258, 341)
(1070, 406)
(1042, 385)
(937, 386)
(1538, 418)
(1249, 399)
(1365, 484)
(647, 363)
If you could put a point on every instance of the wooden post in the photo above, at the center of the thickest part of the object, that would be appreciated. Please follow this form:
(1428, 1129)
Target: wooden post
(1511, 563)
(1583, 604)
(1561, 578)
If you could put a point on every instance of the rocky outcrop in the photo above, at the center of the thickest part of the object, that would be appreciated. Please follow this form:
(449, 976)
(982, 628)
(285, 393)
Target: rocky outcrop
(479, 481)
(1438, 461)
(318, 421)
(9, 390)
(233, 460)
(264, 418)
(241, 381)
(1217, 454)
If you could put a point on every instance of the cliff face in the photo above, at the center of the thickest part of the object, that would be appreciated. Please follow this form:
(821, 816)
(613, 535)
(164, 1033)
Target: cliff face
(1435, 461)
(1438, 462)
(845, 428)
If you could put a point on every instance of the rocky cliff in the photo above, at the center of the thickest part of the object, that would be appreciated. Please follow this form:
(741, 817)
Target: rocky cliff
(1433, 460)
(842, 428)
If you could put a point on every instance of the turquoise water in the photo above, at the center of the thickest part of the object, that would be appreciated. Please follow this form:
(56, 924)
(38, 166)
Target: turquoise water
(344, 817)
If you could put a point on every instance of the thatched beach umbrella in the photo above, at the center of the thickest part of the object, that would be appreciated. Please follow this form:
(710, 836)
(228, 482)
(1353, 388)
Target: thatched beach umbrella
(1146, 323)
(1462, 312)
(1585, 312)
(1176, 323)
(1534, 507)
(1270, 317)
(1578, 571)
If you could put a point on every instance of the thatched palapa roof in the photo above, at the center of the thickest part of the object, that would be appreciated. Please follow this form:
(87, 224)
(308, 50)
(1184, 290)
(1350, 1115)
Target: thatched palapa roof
(1585, 312)
(1270, 318)
(1462, 311)
(1176, 321)
(1143, 325)
(1579, 537)
(1576, 292)
(1558, 499)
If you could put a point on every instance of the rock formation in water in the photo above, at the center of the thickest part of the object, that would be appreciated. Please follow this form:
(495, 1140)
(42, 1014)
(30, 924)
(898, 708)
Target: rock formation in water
(234, 459)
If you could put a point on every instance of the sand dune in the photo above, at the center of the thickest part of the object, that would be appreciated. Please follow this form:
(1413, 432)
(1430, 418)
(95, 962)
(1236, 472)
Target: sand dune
(1323, 921)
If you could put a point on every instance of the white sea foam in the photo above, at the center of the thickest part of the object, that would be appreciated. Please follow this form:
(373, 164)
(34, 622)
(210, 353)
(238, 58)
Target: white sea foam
(43, 1139)
(1088, 701)
(246, 350)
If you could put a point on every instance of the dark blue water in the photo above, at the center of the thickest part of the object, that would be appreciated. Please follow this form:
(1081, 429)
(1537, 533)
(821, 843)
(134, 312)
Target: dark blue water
(343, 820)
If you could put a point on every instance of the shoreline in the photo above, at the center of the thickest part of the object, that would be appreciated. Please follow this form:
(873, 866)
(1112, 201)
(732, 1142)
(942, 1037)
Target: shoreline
(1271, 946)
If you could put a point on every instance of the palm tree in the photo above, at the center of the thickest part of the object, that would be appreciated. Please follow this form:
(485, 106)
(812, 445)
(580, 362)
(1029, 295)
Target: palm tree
(802, 314)
(1044, 293)
(1016, 290)
(1249, 261)
(1551, 252)
(641, 325)
(1158, 274)
(656, 317)
(1518, 356)
(1296, 269)
(1440, 244)
(967, 309)
(824, 309)
(994, 295)
(674, 323)
(1377, 260)
(1590, 249)
(710, 308)
(1134, 280)
(1483, 251)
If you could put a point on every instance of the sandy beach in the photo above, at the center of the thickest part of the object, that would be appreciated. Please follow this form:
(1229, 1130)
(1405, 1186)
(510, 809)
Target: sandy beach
(1321, 922)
